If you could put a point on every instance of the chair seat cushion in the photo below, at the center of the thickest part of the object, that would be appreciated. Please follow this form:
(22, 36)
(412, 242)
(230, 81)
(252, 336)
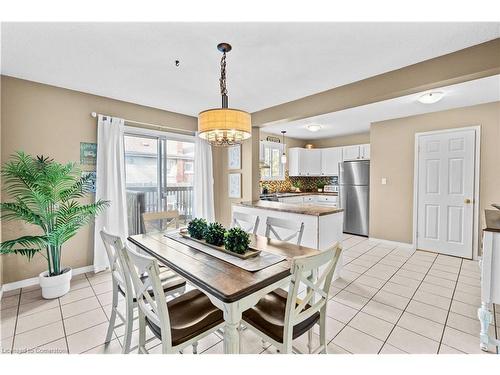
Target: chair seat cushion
(268, 316)
(169, 280)
(190, 315)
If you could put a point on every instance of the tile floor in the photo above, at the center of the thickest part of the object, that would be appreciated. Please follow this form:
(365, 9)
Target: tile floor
(389, 300)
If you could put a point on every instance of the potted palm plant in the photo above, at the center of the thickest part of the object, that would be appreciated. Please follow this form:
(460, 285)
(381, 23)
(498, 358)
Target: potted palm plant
(46, 194)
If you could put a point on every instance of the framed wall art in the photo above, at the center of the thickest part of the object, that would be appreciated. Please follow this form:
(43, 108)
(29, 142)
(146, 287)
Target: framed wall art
(234, 185)
(234, 157)
(88, 153)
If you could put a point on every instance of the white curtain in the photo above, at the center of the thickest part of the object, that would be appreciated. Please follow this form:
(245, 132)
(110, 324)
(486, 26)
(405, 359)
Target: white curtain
(203, 180)
(110, 185)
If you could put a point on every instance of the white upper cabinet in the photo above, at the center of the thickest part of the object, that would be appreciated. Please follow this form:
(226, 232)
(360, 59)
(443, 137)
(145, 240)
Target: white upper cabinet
(293, 161)
(365, 151)
(310, 162)
(356, 152)
(351, 152)
(323, 161)
(330, 159)
(304, 162)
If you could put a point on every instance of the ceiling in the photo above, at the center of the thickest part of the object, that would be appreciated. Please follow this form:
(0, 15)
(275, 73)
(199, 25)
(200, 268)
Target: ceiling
(271, 63)
(358, 119)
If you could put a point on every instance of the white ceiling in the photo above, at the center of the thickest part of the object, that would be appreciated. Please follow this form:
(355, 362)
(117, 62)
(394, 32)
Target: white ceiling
(358, 119)
(271, 63)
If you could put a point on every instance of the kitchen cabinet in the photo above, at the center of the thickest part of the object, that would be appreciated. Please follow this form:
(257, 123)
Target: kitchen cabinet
(310, 162)
(304, 162)
(365, 151)
(323, 161)
(323, 200)
(330, 159)
(293, 161)
(351, 152)
(356, 152)
(297, 199)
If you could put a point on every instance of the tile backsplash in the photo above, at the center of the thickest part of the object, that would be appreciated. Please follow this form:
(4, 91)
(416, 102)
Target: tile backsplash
(305, 183)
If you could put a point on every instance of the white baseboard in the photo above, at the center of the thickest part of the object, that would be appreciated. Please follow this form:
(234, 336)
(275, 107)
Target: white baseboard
(34, 280)
(404, 245)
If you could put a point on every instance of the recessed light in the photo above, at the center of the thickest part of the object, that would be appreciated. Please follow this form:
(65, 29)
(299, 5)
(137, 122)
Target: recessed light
(313, 127)
(431, 97)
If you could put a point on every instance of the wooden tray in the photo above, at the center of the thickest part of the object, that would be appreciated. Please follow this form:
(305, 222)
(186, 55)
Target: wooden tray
(250, 253)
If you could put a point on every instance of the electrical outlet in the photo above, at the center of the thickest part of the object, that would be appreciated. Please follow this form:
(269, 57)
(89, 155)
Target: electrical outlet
(384, 181)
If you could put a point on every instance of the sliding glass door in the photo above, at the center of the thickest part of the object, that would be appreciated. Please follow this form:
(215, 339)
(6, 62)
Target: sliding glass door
(159, 175)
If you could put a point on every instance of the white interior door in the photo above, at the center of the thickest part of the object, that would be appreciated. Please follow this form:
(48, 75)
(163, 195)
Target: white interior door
(445, 192)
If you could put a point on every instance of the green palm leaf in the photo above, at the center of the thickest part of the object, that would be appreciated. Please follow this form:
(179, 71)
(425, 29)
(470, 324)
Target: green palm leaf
(45, 194)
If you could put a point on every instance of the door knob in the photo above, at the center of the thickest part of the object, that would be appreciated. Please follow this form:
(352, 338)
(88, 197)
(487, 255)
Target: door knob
(467, 201)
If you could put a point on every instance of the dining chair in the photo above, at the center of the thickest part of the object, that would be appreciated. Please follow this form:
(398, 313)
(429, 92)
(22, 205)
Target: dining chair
(280, 316)
(249, 223)
(272, 223)
(171, 284)
(179, 322)
(159, 221)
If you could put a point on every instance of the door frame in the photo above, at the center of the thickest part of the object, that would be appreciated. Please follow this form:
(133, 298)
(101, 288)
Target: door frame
(477, 174)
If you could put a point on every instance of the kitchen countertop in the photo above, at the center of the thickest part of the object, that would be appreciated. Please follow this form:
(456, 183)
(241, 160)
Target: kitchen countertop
(302, 209)
(291, 194)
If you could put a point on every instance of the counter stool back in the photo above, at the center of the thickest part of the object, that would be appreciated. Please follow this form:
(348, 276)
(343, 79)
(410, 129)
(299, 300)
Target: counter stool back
(249, 223)
(296, 230)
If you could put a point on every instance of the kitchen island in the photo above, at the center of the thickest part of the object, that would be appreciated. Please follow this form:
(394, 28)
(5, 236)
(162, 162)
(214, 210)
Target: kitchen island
(323, 225)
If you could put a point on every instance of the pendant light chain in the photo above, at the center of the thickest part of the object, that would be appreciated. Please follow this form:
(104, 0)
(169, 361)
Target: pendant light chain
(222, 80)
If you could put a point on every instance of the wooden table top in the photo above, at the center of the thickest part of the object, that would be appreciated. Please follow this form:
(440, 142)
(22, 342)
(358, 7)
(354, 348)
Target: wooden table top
(227, 282)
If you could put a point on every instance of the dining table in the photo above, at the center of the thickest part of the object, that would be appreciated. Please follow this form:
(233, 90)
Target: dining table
(229, 287)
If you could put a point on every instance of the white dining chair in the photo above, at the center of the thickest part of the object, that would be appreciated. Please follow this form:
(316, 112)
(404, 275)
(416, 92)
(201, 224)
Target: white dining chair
(172, 284)
(280, 316)
(249, 223)
(160, 221)
(292, 228)
(179, 322)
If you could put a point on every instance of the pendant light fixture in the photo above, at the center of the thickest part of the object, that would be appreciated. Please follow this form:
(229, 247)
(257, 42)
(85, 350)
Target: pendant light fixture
(224, 126)
(283, 156)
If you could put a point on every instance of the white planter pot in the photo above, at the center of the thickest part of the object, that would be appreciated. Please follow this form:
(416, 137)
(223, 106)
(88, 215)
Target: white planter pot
(55, 286)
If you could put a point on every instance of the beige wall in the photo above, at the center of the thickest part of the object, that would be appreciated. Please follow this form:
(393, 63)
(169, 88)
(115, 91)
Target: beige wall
(392, 157)
(42, 119)
(222, 202)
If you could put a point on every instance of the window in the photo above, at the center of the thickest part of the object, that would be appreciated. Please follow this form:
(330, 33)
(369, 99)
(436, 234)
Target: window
(270, 154)
(158, 172)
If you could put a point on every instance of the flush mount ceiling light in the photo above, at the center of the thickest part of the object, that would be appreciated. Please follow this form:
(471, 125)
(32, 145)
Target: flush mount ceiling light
(431, 97)
(313, 127)
(224, 126)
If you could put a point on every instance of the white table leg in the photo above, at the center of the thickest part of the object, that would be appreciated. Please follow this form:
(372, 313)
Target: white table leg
(232, 317)
(484, 316)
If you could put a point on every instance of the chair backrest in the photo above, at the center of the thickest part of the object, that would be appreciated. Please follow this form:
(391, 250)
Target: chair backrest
(295, 229)
(152, 305)
(119, 271)
(159, 221)
(249, 223)
(303, 270)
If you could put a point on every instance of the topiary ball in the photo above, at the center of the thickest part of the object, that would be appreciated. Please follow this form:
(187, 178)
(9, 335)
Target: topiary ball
(197, 228)
(214, 234)
(236, 240)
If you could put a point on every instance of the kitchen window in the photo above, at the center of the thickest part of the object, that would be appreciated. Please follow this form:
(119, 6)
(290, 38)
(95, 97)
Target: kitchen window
(270, 154)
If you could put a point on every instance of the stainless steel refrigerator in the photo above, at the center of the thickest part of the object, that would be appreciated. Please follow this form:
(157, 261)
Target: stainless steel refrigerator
(354, 194)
